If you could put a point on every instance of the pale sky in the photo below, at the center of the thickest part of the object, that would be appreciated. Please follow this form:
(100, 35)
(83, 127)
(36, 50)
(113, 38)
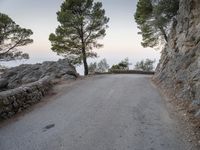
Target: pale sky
(120, 42)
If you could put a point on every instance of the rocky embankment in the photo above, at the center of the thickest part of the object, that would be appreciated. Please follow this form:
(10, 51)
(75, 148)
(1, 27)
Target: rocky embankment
(179, 69)
(25, 85)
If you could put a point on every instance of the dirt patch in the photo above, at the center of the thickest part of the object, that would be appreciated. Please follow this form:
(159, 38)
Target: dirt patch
(181, 111)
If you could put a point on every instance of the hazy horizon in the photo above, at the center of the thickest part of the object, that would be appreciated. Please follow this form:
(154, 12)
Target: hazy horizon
(120, 42)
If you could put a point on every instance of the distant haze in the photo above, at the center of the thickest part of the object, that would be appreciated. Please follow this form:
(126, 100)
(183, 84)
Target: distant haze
(120, 42)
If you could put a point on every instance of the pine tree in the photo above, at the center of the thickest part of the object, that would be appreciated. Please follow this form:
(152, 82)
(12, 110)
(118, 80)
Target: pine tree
(154, 18)
(11, 37)
(82, 23)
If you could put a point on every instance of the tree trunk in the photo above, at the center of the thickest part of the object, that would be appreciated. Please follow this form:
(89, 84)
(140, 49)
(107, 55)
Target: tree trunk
(85, 62)
(84, 51)
(164, 34)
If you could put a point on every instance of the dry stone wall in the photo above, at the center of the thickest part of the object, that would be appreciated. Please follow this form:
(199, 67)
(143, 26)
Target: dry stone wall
(18, 99)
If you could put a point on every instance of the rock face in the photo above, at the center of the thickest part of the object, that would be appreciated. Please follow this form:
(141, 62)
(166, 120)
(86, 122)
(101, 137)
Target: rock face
(25, 85)
(179, 67)
(27, 73)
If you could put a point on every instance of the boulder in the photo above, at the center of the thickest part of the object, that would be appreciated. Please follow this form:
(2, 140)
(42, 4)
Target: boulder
(29, 73)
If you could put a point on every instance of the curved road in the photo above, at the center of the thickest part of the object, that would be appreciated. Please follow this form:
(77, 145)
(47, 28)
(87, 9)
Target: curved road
(107, 112)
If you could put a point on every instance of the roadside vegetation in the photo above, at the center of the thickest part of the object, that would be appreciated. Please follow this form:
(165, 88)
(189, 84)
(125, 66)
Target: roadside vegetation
(101, 66)
(123, 65)
(145, 65)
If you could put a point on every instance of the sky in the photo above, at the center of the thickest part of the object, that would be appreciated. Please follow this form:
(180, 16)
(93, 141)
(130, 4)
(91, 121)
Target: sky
(120, 42)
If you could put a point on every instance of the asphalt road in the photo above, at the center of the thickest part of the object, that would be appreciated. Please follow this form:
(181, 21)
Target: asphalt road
(107, 112)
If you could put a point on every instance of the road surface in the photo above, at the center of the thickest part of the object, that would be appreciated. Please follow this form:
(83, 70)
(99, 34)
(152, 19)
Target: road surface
(107, 112)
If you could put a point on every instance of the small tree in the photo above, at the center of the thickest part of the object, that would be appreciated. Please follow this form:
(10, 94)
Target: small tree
(154, 18)
(11, 37)
(103, 66)
(114, 67)
(145, 65)
(92, 68)
(82, 23)
(123, 65)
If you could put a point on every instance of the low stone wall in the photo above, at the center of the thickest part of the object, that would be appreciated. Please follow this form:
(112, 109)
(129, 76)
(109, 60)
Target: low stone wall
(16, 100)
(127, 72)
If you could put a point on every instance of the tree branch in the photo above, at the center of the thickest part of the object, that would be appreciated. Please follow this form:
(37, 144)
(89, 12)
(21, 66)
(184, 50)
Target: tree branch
(164, 33)
(11, 48)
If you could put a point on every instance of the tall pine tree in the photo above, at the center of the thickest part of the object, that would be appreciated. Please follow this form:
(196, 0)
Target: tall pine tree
(82, 23)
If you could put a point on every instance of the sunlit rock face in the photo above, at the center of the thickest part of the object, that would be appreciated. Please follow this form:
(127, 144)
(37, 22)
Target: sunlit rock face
(179, 68)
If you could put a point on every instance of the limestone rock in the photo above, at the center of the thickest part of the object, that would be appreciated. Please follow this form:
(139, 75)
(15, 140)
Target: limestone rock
(28, 73)
(197, 114)
(179, 67)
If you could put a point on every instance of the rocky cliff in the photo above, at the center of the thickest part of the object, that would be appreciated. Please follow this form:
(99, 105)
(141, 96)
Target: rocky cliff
(179, 68)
